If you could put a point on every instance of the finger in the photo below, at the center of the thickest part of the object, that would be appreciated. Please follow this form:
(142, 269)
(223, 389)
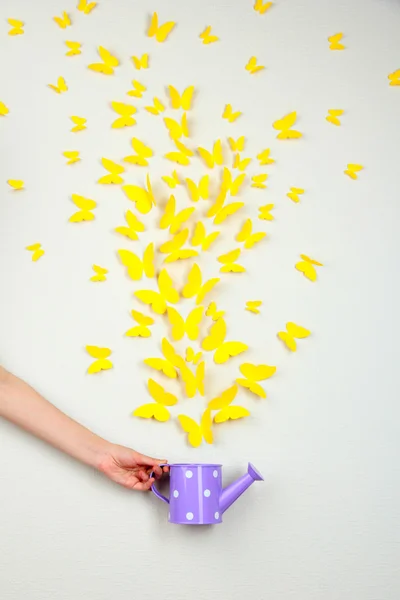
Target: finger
(157, 471)
(143, 476)
(148, 460)
(144, 486)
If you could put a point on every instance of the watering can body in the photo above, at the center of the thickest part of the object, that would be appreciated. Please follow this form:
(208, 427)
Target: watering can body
(196, 494)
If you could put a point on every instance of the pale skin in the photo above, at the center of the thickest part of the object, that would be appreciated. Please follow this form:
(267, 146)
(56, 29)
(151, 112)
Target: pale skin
(22, 405)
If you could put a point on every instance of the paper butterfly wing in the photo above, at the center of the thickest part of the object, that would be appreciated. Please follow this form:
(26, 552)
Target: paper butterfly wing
(228, 350)
(156, 411)
(297, 331)
(216, 337)
(231, 412)
(193, 430)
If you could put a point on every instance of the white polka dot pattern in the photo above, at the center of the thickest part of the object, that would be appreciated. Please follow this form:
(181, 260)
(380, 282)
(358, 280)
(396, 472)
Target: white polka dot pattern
(207, 493)
(189, 474)
(176, 494)
(189, 516)
(215, 473)
(216, 516)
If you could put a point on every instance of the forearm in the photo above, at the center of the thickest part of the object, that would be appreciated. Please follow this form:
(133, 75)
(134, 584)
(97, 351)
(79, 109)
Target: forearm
(24, 407)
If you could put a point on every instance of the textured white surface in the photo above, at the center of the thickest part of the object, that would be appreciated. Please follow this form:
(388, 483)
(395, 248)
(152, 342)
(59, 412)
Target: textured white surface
(325, 523)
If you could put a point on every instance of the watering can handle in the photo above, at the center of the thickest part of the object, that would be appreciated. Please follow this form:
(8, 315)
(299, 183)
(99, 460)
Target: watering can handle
(155, 490)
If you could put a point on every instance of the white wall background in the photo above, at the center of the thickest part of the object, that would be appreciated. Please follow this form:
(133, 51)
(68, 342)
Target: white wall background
(325, 523)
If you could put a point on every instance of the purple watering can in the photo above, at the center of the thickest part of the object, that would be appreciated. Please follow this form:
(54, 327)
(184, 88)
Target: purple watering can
(196, 494)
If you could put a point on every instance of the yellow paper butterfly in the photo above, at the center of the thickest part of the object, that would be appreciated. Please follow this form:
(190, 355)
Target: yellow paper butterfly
(192, 356)
(295, 193)
(85, 6)
(64, 21)
(227, 211)
(252, 374)
(253, 306)
(135, 266)
(143, 198)
(245, 235)
(394, 78)
(109, 62)
(232, 185)
(333, 114)
(169, 363)
(224, 399)
(102, 362)
(237, 145)
(160, 32)
(80, 123)
(306, 266)
(125, 111)
(114, 171)
(352, 170)
(141, 62)
(100, 273)
(216, 341)
(158, 300)
(222, 404)
(283, 126)
(72, 156)
(143, 152)
(74, 48)
(214, 158)
(183, 100)
(196, 433)
(229, 263)
(194, 382)
(171, 180)
(174, 247)
(134, 226)
(206, 36)
(156, 411)
(17, 27)
(265, 212)
(177, 241)
(177, 130)
(240, 164)
(190, 326)
(213, 312)
(252, 66)
(138, 89)
(200, 238)
(142, 329)
(335, 42)
(198, 191)
(293, 331)
(264, 157)
(16, 184)
(37, 251)
(229, 115)
(258, 181)
(61, 86)
(260, 7)
(86, 206)
(173, 220)
(3, 109)
(195, 286)
(182, 156)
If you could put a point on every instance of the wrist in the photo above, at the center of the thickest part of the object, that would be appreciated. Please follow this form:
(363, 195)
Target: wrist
(96, 452)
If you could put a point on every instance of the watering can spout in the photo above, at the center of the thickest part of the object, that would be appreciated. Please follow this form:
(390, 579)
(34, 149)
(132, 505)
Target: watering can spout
(231, 493)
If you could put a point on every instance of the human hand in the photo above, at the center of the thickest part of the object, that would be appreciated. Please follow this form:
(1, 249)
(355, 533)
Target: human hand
(130, 468)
